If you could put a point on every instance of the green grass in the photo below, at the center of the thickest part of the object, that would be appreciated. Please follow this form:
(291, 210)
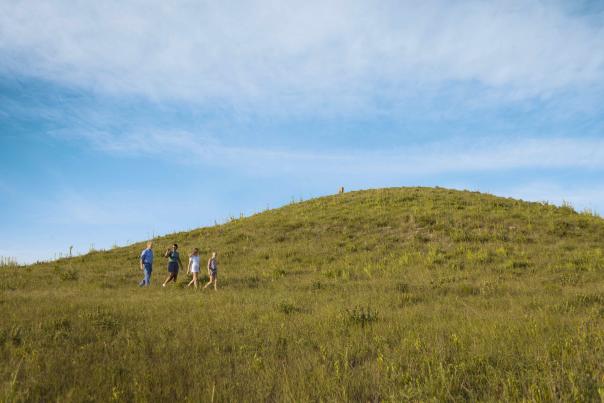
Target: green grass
(383, 295)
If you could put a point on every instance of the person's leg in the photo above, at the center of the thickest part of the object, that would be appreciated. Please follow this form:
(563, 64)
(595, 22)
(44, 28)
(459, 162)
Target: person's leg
(147, 278)
(215, 283)
(212, 281)
(167, 279)
(209, 282)
(195, 280)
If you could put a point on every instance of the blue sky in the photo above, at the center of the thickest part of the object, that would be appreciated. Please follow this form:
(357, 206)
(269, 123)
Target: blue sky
(120, 120)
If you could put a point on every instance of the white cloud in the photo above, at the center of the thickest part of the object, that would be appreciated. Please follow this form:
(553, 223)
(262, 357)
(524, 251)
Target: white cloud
(486, 155)
(289, 56)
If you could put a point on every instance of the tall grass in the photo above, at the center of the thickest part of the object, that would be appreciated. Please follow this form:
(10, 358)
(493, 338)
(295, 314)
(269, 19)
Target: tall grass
(385, 295)
(8, 262)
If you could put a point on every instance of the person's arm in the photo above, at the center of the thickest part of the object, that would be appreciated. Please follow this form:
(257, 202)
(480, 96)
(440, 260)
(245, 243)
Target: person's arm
(189, 266)
(141, 261)
(167, 254)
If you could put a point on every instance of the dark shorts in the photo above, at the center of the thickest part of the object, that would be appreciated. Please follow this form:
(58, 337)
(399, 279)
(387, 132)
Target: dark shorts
(173, 267)
(214, 273)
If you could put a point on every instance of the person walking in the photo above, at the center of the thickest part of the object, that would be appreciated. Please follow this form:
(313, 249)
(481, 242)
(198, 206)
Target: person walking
(193, 267)
(146, 263)
(174, 263)
(212, 271)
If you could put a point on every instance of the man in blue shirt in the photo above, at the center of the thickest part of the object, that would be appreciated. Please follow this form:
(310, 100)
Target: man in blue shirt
(146, 262)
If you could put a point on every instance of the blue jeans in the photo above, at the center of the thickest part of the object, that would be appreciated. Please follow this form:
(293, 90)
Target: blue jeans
(147, 279)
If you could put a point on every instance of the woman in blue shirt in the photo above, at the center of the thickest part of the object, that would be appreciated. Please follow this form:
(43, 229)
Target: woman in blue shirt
(174, 263)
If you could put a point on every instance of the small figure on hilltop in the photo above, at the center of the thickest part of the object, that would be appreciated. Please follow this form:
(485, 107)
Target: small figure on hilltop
(212, 271)
(193, 266)
(341, 190)
(146, 263)
(174, 263)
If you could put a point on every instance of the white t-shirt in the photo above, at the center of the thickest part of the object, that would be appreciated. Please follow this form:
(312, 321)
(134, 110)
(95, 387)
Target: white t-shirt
(194, 261)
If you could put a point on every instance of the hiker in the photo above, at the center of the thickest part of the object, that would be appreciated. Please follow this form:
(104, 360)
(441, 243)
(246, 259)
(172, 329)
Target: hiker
(193, 267)
(212, 271)
(146, 263)
(174, 263)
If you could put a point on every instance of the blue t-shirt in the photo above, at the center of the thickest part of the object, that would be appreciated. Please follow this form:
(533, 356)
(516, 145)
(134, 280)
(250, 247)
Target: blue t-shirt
(147, 256)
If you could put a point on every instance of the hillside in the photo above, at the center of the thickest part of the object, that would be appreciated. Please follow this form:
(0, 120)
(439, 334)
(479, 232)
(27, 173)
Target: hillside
(389, 294)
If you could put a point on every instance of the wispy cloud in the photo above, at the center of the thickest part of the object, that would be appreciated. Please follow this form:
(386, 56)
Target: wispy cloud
(72, 206)
(297, 56)
(447, 156)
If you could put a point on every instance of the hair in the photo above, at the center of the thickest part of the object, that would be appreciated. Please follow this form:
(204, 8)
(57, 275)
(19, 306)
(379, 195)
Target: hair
(175, 246)
(213, 254)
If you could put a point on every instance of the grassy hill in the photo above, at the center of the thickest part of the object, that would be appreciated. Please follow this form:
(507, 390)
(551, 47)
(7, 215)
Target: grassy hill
(378, 295)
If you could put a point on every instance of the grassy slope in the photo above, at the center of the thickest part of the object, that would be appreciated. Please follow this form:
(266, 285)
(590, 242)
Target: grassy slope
(410, 293)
